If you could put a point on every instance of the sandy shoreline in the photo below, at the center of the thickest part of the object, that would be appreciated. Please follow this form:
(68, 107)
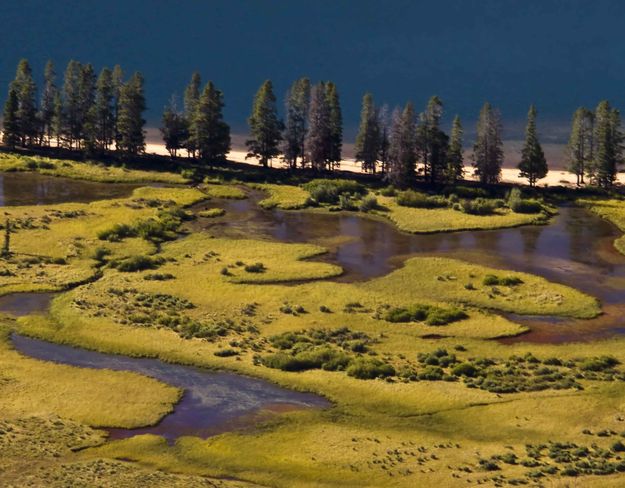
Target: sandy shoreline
(555, 177)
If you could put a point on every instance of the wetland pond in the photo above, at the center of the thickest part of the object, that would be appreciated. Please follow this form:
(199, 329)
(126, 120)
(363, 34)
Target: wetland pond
(575, 249)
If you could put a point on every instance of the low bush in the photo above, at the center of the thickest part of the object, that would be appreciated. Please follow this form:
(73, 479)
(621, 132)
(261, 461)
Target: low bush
(117, 233)
(368, 369)
(429, 314)
(226, 353)
(518, 204)
(158, 276)
(255, 268)
(329, 191)
(494, 280)
(415, 199)
(137, 263)
(368, 203)
(479, 206)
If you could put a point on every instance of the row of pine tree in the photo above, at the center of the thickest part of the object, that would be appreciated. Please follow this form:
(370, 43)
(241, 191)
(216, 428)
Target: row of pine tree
(98, 114)
(88, 112)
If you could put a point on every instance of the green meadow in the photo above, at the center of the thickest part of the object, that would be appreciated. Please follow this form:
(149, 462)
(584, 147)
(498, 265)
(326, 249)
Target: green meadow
(423, 393)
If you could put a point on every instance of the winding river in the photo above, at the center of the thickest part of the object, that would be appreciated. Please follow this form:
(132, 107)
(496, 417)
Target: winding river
(575, 249)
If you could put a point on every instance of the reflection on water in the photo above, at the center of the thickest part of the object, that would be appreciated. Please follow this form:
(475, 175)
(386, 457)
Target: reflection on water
(213, 402)
(575, 249)
(36, 189)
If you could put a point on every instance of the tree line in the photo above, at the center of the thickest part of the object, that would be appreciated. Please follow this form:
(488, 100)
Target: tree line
(87, 112)
(103, 113)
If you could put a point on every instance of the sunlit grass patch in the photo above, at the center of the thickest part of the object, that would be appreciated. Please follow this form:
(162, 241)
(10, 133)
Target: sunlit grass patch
(91, 170)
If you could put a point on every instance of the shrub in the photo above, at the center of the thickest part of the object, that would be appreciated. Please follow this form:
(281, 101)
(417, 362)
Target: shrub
(369, 202)
(520, 205)
(479, 206)
(137, 263)
(155, 230)
(329, 191)
(415, 199)
(100, 254)
(493, 280)
(117, 233)
(226, 353)
(431, 373)
(255, 268)
(346, 203)
(465, 369)
(158, 276)
(598, 364)
(389, 191)
(316, 358)
(368, 369)
(429, 314)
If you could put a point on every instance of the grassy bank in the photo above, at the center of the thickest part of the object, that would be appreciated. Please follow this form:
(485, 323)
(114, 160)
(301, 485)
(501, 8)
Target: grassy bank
(89, 170)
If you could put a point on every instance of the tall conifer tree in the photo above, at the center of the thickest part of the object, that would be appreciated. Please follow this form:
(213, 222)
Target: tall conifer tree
(455, 159)
(10, 122)
(580, 146)
(335, 120)
(48, 95)
(130, 122)
(212, 134)
(402, 150)
(488, 148)
(368, 139)
(265, 126)
(533, 165)
(318, 137)
(297, 105)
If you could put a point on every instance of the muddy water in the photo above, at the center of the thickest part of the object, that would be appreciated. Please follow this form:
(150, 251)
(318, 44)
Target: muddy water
(35, 189)
(575, 249)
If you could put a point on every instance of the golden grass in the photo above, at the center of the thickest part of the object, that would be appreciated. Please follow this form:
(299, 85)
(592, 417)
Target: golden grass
(94, 397)
(286, 197)
(451, 280)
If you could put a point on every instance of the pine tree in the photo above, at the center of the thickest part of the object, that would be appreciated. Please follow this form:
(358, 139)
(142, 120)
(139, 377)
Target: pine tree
(368, 139)
(48, 95)
(533, 165)
(58, 119)
(118, 82)
(265, 126)
(72, 116)
(26, 91)
(455, 160)
(488, 148)
(191, 99)
(402, 150)
(86, 95)
(384, 127)
(175, 128)
(212, 134)
(297, 106)
(11, 128)
(130, 122)
(104, 108)
(608, 141)
(335, 143)
(431, 143)
(580, 146)
(318, 137)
